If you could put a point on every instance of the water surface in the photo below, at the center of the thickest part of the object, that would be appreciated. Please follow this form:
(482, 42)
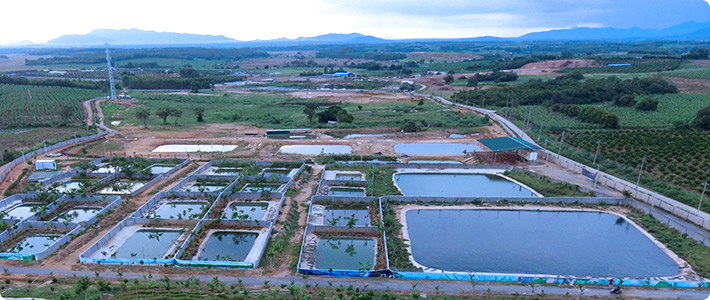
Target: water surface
(228, 246)
(147, 244)
(341, 217)
(181, 210)
(345, 254)
(251, 211)
(78, 214)
(459, 185)
(34, 244)
(534, 242)
(436, 148)
(21, 212)
(347, 192)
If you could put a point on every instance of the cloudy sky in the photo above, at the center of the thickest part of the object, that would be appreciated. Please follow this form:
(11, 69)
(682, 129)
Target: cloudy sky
(42, 20)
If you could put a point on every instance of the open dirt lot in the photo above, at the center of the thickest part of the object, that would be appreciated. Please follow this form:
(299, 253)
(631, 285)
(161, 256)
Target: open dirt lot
(550, 66)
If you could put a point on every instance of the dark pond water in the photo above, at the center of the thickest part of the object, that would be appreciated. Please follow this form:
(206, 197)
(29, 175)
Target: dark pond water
(345, 253)
(228, 246)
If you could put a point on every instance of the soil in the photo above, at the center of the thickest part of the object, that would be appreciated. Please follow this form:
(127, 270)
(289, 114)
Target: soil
(690, 86)
(550, 66)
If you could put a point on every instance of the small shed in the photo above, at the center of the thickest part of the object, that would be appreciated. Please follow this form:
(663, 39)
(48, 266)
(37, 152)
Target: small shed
(516, 145)
(45, 164)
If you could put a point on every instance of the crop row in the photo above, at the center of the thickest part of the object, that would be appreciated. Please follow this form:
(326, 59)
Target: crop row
(23, 105)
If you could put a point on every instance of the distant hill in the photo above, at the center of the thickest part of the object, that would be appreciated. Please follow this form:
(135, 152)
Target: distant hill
(689, 30)
(136, 37)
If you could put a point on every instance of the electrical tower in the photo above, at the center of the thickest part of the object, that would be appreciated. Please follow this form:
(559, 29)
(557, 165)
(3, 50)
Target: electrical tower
(110, 74)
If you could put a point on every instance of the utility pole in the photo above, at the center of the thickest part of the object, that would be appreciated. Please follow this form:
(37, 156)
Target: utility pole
(705, 187)
(545, 149)
(638, 180)
(110, 74)
(599, 143)
(562, 140)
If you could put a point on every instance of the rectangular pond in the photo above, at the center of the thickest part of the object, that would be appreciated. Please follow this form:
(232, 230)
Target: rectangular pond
(21, 212)
(451, 162)
(124, 187)
(222, 171)
(194, 148)
(160, 169)
(227, 246)
(147, 244)
(185, 210)
(341, 217)
(348, 176)
(78, 214)
(34, 244)
(245, 211)
(261, 187)
(459, 185)
(271, 173)
(203, 188)
(345, 253)
(574, 243)
(347, 192)
(315, 149)
(69, 187)
(436, 148)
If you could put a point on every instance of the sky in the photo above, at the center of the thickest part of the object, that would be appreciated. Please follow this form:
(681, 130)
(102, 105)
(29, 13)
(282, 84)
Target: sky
(41, 20)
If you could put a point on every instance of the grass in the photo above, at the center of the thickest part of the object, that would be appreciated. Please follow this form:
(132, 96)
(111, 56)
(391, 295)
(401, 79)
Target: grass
(270, 110)
(29, 138)
(695, 253)
(545, 186)
(383, 186)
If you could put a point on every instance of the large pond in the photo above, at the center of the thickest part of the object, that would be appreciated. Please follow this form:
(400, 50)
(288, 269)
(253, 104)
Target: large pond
(181, 210)
(69, 187)
(366, 135)
(147, 244)
(341, 217)
(345, 253)
(34, 244)
(194, 148)
(436, 148)
(534, 242)
(245, 211)
(459, 185)
(261, 187)
(228, 246)
(123, 188)
(21, 212)
(78, 214)
(315, 149)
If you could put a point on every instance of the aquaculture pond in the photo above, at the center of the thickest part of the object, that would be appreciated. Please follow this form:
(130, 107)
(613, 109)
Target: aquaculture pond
(534, 242)
(223, 171)
(204, 188)
(270, 173)
(22, 211)
(228, 246)
(160, 169)
(315, 149)
(348, 177)
(78, 214)
(124, 187)
(147, 244)
(194, 148)
(451, 162)
(341, 217)
(459, 185)
(345, 253)
(258, 188)
(69, 187)
(348, 192)
(436, 148)
(251, 211)
(366, 135)
(34, 244)
(181, 210)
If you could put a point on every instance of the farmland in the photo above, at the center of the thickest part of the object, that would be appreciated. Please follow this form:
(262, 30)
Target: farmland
(268, 110)
(674, 158)
(23, 106)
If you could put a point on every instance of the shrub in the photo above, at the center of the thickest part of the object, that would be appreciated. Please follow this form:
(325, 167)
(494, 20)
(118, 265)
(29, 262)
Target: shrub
(647, 104)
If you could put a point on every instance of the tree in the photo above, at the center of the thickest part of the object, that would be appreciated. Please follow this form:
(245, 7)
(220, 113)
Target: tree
(176, 113)
(199, 113)
(164, 112)
(66, 112)
(625, 100)
(194, 86)
(335, 113)
(647, 104)
(310, 111)
(143, 114)
(189, 73)
(448, 79)
(702, 119)
(472, 81)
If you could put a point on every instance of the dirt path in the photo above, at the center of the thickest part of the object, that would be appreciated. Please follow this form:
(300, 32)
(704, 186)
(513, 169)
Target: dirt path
(303, 197)
(88, 111)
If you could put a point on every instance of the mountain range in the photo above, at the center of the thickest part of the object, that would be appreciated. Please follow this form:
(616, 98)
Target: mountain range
(135, 37)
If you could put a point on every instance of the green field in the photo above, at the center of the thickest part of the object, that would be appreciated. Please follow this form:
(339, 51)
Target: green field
(25, 105)
(272, 110)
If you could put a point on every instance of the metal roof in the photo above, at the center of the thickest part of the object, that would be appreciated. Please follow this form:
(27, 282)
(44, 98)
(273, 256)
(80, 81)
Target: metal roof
(507, 144)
